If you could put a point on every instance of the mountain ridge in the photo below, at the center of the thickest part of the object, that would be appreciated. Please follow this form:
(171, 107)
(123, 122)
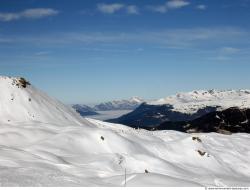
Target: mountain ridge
(190, 102)
(59, 148)
(184, 107)
(115, 105)
(129, 104)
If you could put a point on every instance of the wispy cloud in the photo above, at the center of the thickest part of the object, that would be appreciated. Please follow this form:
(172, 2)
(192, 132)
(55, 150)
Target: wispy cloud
(132, 9)
(172, 4)
(109, 8)
(35, 13)
(201, 7)
(217, 44)
(158, 8)
(228, 53)
(172, 38)
(116, 7)
(176, 4)
(229, 50)
(42, 53)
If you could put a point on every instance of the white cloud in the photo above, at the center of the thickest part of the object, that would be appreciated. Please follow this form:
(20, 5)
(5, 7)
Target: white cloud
(158, 8)
(226, 53)
(221, 58)
(132, 9)
(116, 7)
(35, 13)
(172, 4)
(220, 40)
(201, 7)
(41, 53)
(110, 8)
(176, 4)
(38, 13)
(8, 17)
(229, 50)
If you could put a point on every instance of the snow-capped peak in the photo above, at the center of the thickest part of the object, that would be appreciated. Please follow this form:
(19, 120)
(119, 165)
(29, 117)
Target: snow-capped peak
(21, 102)
(129, 104)
(136, 99)
(190, 102)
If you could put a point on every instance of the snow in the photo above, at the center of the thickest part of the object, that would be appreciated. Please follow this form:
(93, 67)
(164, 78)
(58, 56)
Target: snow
(136, 99)
(48, 155)
(191, 102)
(58, 148)
(20, 104)
(129, 104)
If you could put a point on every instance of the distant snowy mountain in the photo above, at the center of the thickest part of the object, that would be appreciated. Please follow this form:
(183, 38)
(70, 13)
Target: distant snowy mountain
(113, 107)
(184, 107)
(130, 104)
(84, 110)
(45, 143)
(191, 102)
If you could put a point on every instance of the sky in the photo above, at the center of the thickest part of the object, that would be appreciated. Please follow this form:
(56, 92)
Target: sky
(90, 51)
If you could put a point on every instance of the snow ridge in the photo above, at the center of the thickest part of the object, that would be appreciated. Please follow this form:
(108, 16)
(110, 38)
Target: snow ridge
(21, 102)
(129, 104)
(191, 102)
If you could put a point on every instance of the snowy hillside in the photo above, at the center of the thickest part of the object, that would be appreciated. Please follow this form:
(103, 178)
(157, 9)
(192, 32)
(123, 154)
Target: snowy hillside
(97, 155)
(21, 102)
(191, 102)
(44, 143)
(130, 104)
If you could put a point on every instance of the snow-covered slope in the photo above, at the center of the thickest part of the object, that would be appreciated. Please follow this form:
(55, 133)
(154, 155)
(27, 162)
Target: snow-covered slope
(25, 103)
(130, 104)
(97, 155)
(191, 102)
(57, 148)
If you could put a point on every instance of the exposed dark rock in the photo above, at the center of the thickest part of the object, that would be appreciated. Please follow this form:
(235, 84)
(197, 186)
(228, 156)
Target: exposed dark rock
(20, 82)
(201, 152)
(23, 82)
(196, 139)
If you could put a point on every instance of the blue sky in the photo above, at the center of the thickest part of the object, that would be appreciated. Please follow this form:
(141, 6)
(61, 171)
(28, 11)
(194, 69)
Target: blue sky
(89, 51)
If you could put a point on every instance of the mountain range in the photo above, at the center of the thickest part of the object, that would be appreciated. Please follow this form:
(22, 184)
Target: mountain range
(129, 104)
(185, 107)
(46, 143)
(84, 110)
